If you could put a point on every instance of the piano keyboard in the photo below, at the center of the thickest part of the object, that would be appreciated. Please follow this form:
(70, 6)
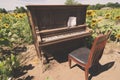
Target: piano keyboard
(62, 36)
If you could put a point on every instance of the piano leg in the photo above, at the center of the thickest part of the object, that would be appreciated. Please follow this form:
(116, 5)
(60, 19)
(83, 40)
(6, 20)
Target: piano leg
(44, 61)
(41, 54)
(44, 57)
(38, 51)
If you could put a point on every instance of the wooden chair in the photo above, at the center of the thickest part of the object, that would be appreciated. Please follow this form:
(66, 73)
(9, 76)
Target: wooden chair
(87, 58)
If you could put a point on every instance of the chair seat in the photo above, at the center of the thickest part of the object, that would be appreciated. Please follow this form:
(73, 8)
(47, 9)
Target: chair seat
(80, 54)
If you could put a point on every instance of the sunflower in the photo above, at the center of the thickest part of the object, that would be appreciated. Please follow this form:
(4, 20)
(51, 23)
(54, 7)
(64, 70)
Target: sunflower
(90, 13)
(118, 36)
(93, 25)
(24, 14)
(94, 21)
(0, 18)
(6, 25)
(117, 17)
(107, 16)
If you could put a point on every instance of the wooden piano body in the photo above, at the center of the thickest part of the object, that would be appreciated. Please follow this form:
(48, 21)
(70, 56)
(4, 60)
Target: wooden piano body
(49, 24)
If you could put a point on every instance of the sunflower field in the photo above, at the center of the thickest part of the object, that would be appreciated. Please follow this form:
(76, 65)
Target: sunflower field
(14, 29)
(101, 21)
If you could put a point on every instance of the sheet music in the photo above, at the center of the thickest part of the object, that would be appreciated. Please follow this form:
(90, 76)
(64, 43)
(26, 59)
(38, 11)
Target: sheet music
(71, 21)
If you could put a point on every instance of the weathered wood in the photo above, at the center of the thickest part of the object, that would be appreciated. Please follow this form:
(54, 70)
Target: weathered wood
(55, 16)
(51, 20)
(62, 28)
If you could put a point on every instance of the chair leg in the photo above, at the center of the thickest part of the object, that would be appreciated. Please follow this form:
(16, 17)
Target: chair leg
(69, 61)
(86, 74)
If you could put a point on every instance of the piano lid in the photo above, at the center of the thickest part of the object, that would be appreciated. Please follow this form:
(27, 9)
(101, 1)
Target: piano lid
(56, 16)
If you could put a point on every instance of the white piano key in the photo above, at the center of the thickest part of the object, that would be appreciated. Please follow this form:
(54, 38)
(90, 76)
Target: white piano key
(52, 38)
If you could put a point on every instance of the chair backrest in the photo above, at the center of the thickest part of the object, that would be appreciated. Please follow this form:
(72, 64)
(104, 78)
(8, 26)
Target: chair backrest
(97, 49)
(108, 33)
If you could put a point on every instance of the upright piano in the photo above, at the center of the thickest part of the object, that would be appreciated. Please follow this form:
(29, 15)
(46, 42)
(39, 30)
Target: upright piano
(49, 24)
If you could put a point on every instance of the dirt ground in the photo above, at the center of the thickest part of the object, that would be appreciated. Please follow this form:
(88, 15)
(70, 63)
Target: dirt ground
(109, 70)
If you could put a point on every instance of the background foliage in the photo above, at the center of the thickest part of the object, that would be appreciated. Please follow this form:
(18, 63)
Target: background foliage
(103, 20)
(100, 6)
(14, 29)
(71, 2)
